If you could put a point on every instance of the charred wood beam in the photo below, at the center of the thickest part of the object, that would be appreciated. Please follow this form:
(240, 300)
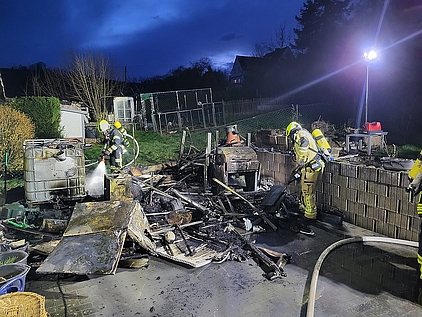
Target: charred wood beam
(254, 208)
(154, 233)
(221, 205)
(152, 187)
(190, 252)
(230, 205)
(277, 270)
(178, 182)
(190, 201)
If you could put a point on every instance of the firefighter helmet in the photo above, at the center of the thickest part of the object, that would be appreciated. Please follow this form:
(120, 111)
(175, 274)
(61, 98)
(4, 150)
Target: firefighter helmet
(117, 124)
(292, 128)
(103, 126)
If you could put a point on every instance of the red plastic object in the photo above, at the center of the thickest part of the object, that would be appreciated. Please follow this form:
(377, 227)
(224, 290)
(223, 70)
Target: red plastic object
(373, 126)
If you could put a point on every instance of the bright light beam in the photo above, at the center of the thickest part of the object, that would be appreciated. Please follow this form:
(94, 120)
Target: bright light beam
(404, 39)
(346, 67)
(362, 100)
(316, 81)
(384, 9)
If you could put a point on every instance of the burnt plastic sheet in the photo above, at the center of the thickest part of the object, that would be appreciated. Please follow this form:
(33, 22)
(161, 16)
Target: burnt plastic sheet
(94, 239)
(101, 216)
(94, 253)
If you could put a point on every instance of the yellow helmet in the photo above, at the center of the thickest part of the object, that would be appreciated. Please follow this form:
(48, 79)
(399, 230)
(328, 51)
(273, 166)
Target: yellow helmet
(292, 128)
(103, 126)
(117, 124)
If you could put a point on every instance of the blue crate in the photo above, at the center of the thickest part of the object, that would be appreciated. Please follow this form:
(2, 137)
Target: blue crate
(14, 275)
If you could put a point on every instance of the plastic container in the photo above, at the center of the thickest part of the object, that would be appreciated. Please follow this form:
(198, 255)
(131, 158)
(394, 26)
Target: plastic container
(53, 169)
(23, 304)
(373, 126)
(13, 277)
(12, 210)
(21, 256)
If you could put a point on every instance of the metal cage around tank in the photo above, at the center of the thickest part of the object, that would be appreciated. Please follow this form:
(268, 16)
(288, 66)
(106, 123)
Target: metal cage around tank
(54, 169)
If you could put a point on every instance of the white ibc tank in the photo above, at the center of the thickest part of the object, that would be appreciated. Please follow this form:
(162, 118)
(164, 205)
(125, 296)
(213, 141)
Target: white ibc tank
(54, 169)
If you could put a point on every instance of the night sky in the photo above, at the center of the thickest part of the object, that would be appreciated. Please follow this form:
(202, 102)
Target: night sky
(148, 37)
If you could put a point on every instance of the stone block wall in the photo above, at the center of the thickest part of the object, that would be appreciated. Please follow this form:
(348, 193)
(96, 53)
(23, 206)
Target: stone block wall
(371, 198)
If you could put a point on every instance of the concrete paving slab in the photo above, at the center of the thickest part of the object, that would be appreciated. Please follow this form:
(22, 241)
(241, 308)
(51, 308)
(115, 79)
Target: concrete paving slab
(355, 280)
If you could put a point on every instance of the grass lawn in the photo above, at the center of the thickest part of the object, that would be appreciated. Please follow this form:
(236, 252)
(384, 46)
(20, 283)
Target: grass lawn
(154, 148)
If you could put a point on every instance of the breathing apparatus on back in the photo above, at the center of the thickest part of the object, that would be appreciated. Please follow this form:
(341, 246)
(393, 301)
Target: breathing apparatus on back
(415, 176)
(324, 147)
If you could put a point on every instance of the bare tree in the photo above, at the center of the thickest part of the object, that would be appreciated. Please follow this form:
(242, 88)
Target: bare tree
(261, 49)
(51, 82)
(282, 39)
(89, 79)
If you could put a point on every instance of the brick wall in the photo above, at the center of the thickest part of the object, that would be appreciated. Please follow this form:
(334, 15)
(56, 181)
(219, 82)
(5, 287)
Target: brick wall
(371, 198)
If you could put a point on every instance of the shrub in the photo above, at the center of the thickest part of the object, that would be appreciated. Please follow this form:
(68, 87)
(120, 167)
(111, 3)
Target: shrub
(44, 113)
(15, 128)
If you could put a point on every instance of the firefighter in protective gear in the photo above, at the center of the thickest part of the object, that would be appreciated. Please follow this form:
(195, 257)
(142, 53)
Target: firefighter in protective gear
(415, 179)
(310, 165)
(123, 131)
(113, 144)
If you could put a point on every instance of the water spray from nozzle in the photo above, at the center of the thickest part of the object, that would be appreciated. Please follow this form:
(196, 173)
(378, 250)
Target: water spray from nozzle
(95, 180)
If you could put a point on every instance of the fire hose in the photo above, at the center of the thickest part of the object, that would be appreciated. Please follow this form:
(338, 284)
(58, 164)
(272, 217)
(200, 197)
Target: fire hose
(312, 291)
(131, 162)
(136, 152)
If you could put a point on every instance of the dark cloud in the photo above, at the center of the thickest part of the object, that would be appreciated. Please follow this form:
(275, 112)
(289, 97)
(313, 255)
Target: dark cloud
(147, 37)
(228, 37)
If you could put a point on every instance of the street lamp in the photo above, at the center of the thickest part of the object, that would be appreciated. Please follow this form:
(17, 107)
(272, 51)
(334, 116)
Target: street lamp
(369, 57)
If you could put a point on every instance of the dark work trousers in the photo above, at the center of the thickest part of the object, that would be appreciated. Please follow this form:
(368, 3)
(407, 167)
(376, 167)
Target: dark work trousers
(116, 159)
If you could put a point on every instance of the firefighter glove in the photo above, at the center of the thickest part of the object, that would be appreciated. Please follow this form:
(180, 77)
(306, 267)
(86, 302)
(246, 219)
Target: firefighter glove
(106, 152)
(296, 174)
(413, 189)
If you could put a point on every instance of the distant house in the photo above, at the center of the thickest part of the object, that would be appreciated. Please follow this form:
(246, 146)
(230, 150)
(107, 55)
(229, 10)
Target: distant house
(245, 67)
(262, 76)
